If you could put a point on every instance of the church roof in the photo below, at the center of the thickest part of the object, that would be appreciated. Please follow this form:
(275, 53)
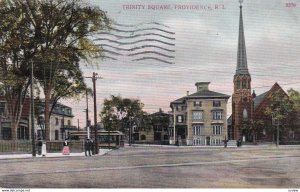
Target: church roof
(241, 67)
(260, 98)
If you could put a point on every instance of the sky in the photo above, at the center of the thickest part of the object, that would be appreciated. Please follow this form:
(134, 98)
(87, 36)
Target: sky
(203, 37)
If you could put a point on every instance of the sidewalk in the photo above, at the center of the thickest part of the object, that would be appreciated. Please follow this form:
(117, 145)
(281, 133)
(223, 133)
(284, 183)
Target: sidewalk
(22, 156)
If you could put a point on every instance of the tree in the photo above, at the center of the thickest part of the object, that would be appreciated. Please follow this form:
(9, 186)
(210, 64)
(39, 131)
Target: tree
(279, 109)
(54, 35)
(295, 98)
(117, 112)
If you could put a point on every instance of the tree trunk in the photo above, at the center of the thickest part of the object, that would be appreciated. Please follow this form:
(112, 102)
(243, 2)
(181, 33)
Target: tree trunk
(47, 115)
(277, 142)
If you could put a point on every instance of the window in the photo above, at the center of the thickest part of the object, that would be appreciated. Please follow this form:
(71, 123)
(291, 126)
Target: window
(166, 137)
(56, 134)
(217, 129)
(69, 122)
(56, 121)
(62, 122)
(197, 115)
(245, 114)
(217, 115)
(197, 129)
(217, 141)
(238, 84)
(291, 134)
(216, 103)
(244, 84)
(197, 103)
(199, 141)
(179, 118)
(143, 137)
(2, 108)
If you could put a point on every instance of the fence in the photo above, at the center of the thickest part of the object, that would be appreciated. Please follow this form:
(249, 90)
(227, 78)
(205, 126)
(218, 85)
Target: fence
(26, 146)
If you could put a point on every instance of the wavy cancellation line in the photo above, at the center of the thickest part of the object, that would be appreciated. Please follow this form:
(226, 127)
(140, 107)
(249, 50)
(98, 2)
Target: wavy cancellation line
(136, 54)
(139, 42)
(136, 48)
(153, 52)
(134, 42)
(141, 24)
(137, 35)
(135, 57)
(153, 58)
(144, 29)
(140, 59)
(112, 53)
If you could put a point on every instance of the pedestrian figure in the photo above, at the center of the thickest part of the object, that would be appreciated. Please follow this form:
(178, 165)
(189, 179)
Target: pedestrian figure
(225, 143)
(66, 149)
(44, 149)
(92, 147)
(40, 144)
(87, 147)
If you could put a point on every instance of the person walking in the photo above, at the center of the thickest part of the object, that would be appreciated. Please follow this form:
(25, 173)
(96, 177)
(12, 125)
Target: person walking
(92, 147)
(87, 147)
(39, 146)
(66, 149)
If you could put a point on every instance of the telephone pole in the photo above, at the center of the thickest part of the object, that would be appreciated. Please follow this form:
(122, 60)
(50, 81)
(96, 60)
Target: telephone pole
(94, 78)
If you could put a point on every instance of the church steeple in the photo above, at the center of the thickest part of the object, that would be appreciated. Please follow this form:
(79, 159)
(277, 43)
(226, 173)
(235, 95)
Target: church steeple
(241, 67)
(242, 100)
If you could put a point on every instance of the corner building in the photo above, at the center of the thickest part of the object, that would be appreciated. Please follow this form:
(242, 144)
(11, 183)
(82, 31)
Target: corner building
(199, 118)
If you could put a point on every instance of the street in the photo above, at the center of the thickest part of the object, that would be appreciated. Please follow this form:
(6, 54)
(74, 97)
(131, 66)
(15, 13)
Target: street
(160, 167)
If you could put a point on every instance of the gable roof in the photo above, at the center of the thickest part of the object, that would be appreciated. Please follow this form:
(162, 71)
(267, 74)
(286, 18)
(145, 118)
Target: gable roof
(262, 97)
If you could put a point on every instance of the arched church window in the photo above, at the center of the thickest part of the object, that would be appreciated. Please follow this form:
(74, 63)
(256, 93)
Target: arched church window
(244, 84)
(245, 114)
(238, 84)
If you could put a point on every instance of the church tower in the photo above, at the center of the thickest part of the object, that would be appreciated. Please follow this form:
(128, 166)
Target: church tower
(242, 102)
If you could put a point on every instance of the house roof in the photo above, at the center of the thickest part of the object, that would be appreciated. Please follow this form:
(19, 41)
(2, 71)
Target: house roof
(208, 94)
(201, 95)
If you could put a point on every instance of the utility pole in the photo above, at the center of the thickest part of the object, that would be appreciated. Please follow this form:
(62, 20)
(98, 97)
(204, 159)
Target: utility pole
(95, 113)
(87, 115)
(32, 112)
(94, 78)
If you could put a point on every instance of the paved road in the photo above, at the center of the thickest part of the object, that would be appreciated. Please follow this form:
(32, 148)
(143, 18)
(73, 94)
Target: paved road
(160, 167)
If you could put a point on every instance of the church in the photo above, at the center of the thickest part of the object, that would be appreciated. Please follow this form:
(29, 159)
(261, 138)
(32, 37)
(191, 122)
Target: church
(248, 108)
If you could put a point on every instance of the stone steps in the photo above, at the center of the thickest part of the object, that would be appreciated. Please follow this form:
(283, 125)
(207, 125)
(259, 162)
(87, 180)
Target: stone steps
(231, 143)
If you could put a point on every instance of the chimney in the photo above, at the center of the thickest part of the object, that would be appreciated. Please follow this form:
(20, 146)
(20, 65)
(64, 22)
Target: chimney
(202, 86)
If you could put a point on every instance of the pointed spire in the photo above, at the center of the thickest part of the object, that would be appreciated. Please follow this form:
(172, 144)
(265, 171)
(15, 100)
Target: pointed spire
(241, 67)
